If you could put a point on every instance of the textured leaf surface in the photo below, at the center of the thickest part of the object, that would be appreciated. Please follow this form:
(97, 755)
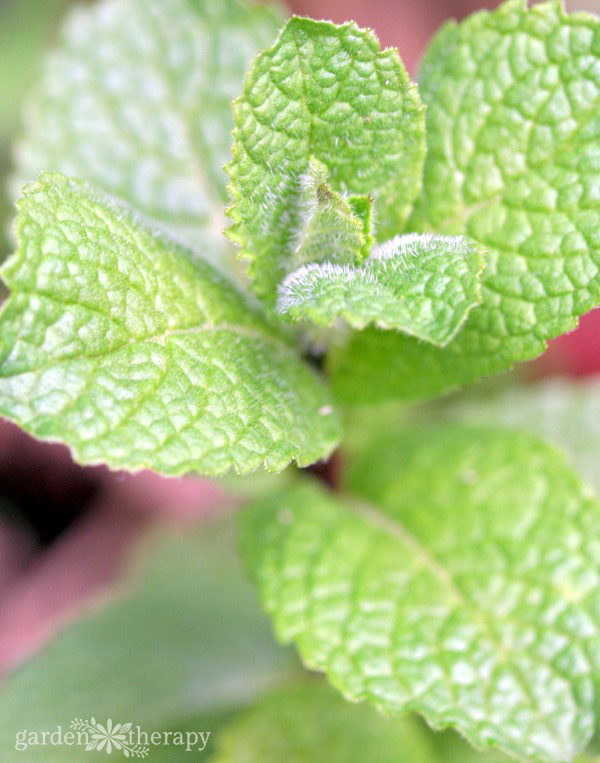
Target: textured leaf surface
(137, 100)
(307, 723)
(116, 343)
(423, 285)
(188, 639)
(325, 92)
(462, 583)
(513, 135)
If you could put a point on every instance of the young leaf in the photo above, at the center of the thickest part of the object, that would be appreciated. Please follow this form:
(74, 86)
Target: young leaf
(423, 285)
(137, 100)
(327, 93)
(116, 343)
(309, 723)
(329, 225)
(462, 583)
(513, 133)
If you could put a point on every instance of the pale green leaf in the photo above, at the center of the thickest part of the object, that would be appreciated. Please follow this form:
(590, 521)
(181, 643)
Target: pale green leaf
(185, 640)
(137, 100)
(309, 723)
(22, 45)
(513, 135)
(423, 285)
(329, 225)
(566, 413)
(461, 583)
(325, 92)
(115, 342)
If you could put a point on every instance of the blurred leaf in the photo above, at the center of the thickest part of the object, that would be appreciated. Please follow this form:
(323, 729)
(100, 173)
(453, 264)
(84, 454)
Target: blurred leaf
(189, 640)
(310, 723)
(564, 412)
(137, 100)
(26, 28)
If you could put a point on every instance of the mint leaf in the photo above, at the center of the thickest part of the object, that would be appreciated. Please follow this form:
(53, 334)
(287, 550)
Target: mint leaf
(566, 413)
(423, 285)
(116, 343)
(137, 100)
(327, 93)
(308, 722)
(461, 583)
(513, 129)
(329, 225)
(186, 639)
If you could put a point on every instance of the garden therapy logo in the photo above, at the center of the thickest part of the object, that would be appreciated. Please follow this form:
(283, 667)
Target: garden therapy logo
(109, 737)
(123, 738)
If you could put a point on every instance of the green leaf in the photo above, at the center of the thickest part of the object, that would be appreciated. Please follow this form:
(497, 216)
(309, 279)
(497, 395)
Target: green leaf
(461, 583)
(309, 723)
(327, 93)
(115, 342)
(186, 640)
(329, 225)
(137, 100)
(21, 46)
(566, 413)
(513, 135)
(421, 284)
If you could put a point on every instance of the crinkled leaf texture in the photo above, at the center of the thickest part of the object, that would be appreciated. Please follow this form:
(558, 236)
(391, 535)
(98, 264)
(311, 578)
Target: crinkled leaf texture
(424, 285)
(115, 342)
(309, 723)
(513, 161)
(137, 98)
(325, 93)
(462, 582)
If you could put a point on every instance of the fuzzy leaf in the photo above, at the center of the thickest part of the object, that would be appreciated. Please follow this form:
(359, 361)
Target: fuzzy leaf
(116, 343)
(330, 227)
(327, 93)
(513, 135)
(461, 583)
(137, 100)
(422, 285)
(308, 723)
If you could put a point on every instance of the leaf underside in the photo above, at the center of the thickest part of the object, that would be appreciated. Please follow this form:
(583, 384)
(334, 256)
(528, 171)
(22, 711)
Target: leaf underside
(460, 582)
(513, 135)
(115, 342)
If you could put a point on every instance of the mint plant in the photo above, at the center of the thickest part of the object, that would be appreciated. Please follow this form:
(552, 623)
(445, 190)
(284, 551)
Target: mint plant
(400, 242)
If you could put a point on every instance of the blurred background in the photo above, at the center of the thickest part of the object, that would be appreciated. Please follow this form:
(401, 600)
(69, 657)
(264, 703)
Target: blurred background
(65, 530)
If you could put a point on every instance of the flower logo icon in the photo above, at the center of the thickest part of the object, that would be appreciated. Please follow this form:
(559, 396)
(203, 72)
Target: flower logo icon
(108, 737)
